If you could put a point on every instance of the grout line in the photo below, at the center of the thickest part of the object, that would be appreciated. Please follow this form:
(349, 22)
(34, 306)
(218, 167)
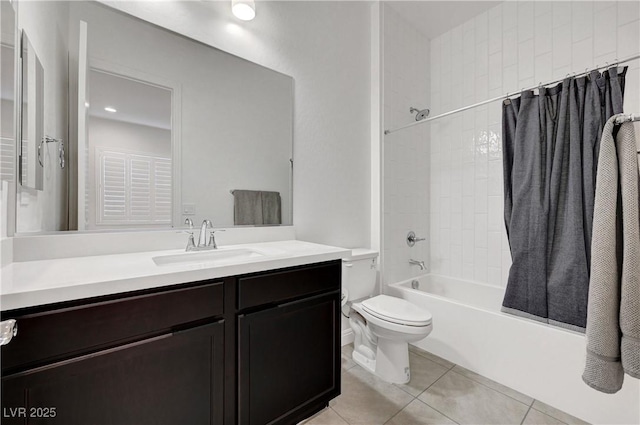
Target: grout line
(525, 415)
(402, 408)
(427, 404)
(549, 414)
(391, 418)
(339, 415)
(498, 391)
(400, 388)
(432, 384)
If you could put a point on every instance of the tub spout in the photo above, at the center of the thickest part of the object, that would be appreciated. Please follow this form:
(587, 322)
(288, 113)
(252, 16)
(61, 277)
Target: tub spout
(417, 263)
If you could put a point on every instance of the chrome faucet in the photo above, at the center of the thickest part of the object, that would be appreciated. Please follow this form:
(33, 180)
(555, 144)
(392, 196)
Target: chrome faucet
(191, 244)
(203, 244)
(417, 263)
(202, 239)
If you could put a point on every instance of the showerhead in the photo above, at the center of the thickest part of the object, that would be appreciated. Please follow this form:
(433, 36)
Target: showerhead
(420, 114)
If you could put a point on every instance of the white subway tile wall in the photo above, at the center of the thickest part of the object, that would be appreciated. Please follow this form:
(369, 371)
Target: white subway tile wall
(511, 46)
(406, 164)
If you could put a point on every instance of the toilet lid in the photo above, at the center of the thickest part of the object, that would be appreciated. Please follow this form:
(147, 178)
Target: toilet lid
(396, 310)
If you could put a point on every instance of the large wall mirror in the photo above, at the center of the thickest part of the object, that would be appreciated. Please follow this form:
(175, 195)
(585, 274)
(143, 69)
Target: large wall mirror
(159, 128)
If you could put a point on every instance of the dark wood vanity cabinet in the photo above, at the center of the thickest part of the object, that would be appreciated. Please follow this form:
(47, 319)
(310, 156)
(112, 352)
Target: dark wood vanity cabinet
(289, 347)
(191, 354)
(151, 357)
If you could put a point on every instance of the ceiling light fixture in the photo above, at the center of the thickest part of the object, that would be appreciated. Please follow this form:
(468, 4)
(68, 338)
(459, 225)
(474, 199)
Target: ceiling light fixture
(244, 9)
(110, 109)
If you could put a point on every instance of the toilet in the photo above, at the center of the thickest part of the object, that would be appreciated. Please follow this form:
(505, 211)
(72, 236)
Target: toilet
(383, 326)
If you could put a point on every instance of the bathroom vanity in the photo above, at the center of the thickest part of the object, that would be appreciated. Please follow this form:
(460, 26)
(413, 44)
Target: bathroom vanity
(253, 348)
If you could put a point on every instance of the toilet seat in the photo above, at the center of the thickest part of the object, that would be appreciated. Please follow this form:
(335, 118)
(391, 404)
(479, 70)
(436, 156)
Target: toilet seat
(396, 310)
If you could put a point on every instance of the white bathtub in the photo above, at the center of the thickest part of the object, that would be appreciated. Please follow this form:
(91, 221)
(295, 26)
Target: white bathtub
(541, 361)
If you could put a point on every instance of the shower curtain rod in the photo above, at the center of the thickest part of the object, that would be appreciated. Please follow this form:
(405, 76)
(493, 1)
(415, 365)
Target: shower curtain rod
(508, 95)
(628, 118)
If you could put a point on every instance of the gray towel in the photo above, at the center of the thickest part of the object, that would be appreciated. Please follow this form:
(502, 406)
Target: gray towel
(613, 318)
(271, 208)
(247, 207)
(254, 207)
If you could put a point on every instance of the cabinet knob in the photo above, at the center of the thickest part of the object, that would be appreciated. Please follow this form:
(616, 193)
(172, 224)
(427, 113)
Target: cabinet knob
(8, 329)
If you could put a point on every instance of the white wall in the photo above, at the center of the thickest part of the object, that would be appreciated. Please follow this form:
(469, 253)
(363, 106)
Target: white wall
(325, 47)
(46, 25)
(128, 137)
(512, 46)
(406, 153)
(6, 118)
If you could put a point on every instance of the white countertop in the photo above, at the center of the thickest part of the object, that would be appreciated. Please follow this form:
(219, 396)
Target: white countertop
(31, 283)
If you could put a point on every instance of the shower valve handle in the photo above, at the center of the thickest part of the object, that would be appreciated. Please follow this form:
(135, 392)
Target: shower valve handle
(412, 239)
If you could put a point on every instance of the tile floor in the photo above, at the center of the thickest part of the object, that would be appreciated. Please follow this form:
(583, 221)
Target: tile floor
(439, 392)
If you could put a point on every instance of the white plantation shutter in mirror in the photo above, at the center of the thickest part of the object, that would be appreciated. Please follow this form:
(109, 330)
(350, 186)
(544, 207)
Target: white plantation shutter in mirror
(134, 189)
(7, 159)
(163, 190)
(140, 189)
(113, 183)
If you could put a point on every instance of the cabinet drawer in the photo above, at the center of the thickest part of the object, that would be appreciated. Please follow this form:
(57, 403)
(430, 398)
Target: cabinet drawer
(287, 284)
(54, 334)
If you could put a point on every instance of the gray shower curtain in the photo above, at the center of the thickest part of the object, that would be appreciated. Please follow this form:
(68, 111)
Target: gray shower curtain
(550, 145)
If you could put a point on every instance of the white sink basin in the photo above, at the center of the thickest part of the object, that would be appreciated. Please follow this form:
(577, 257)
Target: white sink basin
(215, 256)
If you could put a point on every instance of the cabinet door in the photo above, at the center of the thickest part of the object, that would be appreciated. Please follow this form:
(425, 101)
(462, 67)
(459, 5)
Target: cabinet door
(289, 360)
(175, 378)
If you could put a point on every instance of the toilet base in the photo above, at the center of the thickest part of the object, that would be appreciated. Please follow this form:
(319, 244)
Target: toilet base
(366, 363)
(392, 361)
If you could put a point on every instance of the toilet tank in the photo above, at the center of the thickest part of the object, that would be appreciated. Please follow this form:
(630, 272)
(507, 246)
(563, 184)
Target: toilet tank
(359, 272)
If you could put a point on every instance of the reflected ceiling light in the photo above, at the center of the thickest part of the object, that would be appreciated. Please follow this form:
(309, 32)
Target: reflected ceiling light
(244, 9)
(110, 109)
